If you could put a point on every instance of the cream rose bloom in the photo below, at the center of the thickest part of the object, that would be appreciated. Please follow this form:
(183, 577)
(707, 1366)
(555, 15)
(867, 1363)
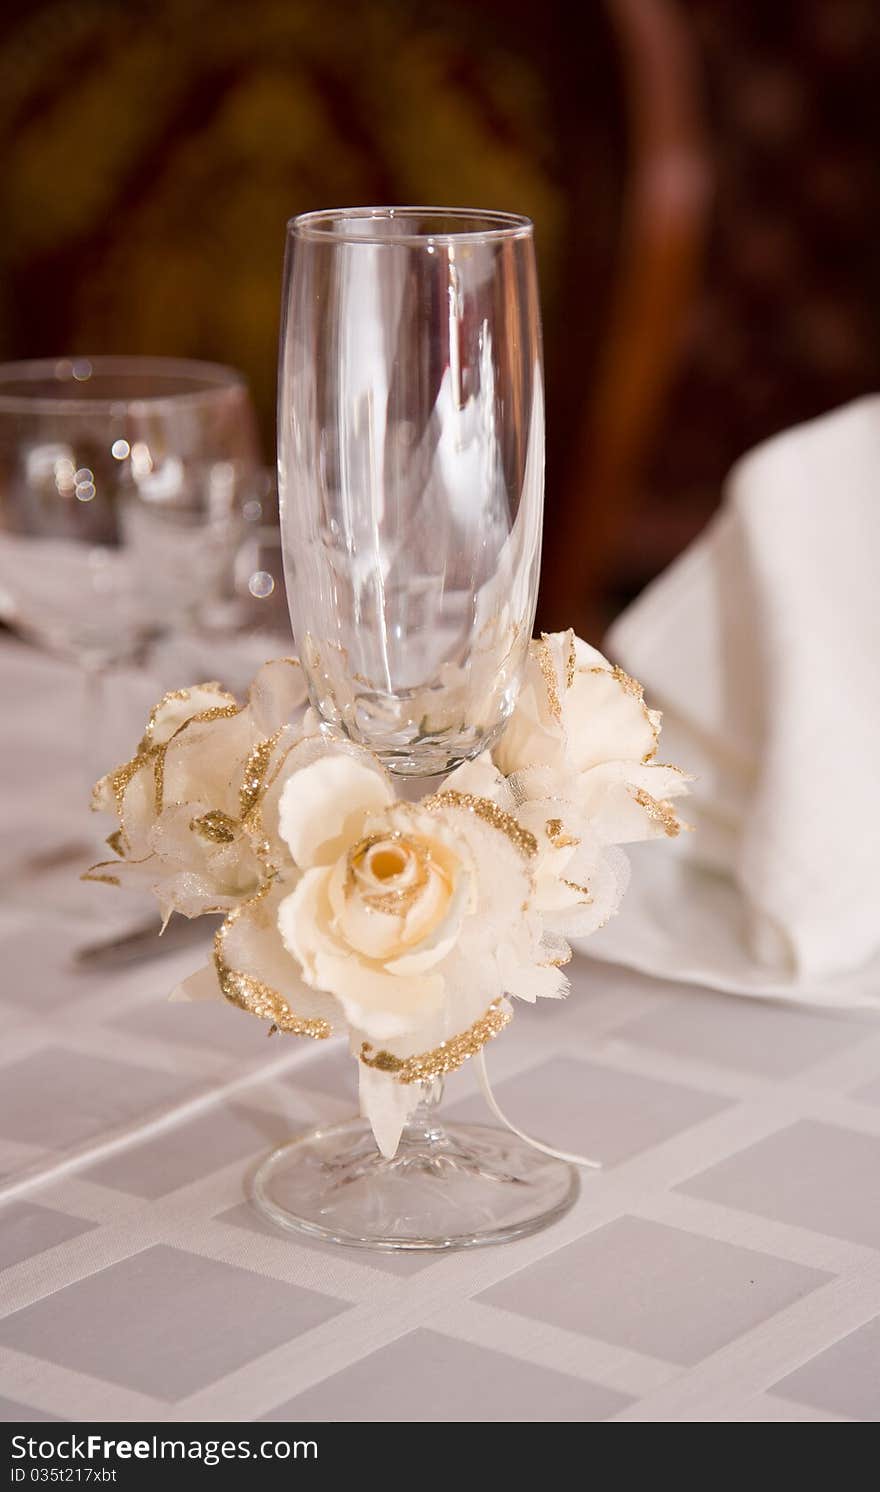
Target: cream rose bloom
(404, 924)
(188, 804)
(416, 917)
(581, 732)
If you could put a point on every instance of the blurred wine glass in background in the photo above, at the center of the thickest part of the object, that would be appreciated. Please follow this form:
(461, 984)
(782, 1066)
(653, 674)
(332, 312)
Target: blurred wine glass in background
(122, 482)
(124, 487)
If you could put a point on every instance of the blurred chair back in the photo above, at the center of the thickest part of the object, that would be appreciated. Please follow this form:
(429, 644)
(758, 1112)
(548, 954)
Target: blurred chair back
(666, 195)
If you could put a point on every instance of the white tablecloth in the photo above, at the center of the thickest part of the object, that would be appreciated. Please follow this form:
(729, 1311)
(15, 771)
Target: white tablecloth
(724, 1266)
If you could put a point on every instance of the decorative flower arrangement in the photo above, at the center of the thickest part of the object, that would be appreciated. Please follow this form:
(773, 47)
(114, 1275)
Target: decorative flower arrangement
(407, 925)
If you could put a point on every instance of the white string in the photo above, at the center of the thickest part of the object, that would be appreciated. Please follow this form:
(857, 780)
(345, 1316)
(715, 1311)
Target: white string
(574, 1160)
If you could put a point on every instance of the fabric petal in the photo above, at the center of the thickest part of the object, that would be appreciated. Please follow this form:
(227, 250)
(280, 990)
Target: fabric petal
(482, 778)
(250, 946)
(176, 708)
(277, 693)
(607, 719)
(627, 801)
(387, 1105)
(383, 1004)
(202, 985)
(322, 807)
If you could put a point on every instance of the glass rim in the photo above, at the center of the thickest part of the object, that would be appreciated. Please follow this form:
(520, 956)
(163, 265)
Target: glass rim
(489, 225)
(209, 381)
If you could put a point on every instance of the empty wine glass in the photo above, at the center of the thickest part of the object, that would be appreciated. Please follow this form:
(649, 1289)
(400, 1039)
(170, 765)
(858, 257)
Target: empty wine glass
(411, 471)
(122, 482)
(411, 468)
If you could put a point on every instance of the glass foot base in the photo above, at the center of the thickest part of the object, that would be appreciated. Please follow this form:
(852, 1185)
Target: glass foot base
(456, 1187)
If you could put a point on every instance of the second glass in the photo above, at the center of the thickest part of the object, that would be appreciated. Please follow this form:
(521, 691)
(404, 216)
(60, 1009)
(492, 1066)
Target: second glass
(411, 472)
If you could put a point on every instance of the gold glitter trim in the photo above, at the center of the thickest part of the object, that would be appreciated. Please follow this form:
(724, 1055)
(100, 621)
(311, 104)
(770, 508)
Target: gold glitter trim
(628, 684)
(583, 891)
(254, 781)
(443, 1058)
(116, 842)
(253, 823)
(215, 825)
(251, 994)
(159, 776)
(180, 694)
(545, 663)
(122, 776)
(570, 662)
(560, 962)
(659, 811)
(483, 808)
(216, 712)
(558, 836)
(112, 866)
(172, 696)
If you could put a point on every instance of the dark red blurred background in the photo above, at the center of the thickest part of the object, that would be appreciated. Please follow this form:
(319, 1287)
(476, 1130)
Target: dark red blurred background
(702, 174)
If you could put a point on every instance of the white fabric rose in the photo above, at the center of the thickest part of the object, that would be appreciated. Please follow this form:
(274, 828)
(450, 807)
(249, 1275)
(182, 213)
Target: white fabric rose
(579, 881)
(415, 916)
(581, 732)
(188, 802)
(397, 900)
(402, 923)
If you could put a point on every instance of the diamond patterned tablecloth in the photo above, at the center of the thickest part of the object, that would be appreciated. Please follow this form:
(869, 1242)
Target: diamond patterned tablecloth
(724, 1266)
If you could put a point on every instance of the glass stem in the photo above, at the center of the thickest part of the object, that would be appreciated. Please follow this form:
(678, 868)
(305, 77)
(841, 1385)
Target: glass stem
(423, 1125)
(93, 758)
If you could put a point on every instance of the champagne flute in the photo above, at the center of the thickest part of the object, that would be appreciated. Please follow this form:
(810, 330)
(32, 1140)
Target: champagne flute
(411, 470)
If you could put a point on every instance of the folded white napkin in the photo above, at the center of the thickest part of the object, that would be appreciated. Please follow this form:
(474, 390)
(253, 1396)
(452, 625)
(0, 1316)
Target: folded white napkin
(761, 644)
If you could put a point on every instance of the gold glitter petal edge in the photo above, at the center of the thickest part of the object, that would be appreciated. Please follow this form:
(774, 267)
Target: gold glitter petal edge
(249, 993)
(253, 783)
(483, 808)
(559, 961)
(548, 670)
(570, 661)
(105, 870)
(659, 811)
(122, 776)
(178, 695)
(444, 1058)
(252, 822)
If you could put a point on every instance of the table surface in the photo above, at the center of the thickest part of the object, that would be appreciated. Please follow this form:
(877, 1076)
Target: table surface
(725, 1265)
